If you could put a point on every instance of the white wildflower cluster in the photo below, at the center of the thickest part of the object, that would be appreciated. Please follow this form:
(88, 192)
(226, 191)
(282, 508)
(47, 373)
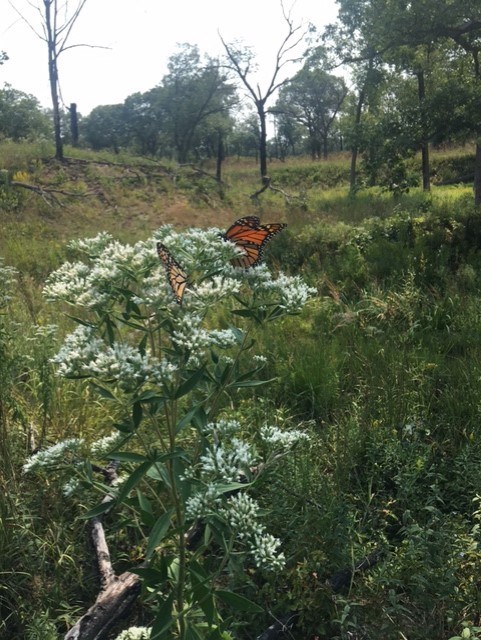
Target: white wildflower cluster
(92, 246)
(277, 439)
(222, 428)
(265, 552)
(242, 512)
(196, 247)
(53, 456)
(7, 279)
(71, 487)
(110, 265)
(155, 292)
(72, 283)
(122, 363)
(135, 633)
(163, 371)
(201, 504)
(104, 445)
(228, 462)
(79, 348)
(85, 355)
(291, 292)
(216, 288)
(190, 335)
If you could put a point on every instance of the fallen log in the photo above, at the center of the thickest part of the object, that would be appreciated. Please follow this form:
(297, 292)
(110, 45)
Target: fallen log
(117, 593)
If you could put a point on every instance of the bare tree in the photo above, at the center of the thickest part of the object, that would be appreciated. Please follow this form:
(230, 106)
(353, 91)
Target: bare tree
(57, 20)
(239, 60)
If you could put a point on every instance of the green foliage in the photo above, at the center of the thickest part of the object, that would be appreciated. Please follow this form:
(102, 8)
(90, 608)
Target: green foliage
(382, 372)
(21, 116)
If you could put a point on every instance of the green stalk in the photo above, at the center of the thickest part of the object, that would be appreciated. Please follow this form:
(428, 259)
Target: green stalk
(171, 422)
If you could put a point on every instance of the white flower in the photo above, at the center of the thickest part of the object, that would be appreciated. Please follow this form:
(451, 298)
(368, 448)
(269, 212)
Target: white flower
(223, 428)
(190, 335)
(104, 445)
(284, 439)
(135, 633)
(242, 512)
(79, 348)
(53, 455)
(228, 463)
(201, 504)
(70, 487)
(264, 550)
(92, 246)
(7, 279)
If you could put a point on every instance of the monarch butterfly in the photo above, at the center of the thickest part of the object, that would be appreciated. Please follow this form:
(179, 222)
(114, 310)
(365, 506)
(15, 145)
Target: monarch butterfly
(175, 274)
(252, 236)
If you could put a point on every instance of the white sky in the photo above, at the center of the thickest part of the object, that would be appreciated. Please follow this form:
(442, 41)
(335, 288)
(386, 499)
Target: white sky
(141, 36)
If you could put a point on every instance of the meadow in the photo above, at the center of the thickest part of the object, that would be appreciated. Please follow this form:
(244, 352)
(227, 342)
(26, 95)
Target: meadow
(379, 511)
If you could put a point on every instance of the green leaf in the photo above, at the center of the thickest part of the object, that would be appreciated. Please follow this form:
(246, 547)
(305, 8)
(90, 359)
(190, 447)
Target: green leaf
(245, 313)
(102, 391)
(237, 602)
(190, 416)
(150, 397)
(144, 502)
(136, 413)
(190, 383)
(159, 472)
(191, 633)
(250, 383)
(201, 590)
(110, 330)
(158, 532)
(103, 507)
(163, 620)
(85, 323)
(150, 577)
(133, 480)
(126, 456)
(231, 486)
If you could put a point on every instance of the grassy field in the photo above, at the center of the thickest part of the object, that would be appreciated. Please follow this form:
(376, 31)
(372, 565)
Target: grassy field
(382, 370)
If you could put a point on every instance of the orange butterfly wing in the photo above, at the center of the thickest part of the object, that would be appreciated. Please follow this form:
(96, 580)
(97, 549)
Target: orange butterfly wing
(251, 236)
(175, 274)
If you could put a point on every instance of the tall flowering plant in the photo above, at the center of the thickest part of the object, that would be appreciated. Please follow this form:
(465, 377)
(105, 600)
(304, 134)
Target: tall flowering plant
(171, 370)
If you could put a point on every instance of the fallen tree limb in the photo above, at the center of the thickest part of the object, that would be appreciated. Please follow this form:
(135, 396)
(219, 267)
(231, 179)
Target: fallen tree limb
(117, 593)
(49, 194)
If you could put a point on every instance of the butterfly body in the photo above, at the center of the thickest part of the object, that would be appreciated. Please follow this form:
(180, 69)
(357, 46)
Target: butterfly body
(175, 274)
(251, 236)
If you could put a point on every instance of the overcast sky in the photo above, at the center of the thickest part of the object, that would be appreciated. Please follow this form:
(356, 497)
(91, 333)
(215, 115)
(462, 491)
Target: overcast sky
(140, 37)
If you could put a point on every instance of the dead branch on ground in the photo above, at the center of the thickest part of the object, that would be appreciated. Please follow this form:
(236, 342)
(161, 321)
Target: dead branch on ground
(117, 593)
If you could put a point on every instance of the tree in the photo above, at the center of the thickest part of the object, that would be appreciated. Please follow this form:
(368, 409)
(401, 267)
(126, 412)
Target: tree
(105, 127)
(193, 92)
(142, 121)
(313, 98)
(244, 139)
(21, 115)
(240, 60)
(57, 22)
(390, 26)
